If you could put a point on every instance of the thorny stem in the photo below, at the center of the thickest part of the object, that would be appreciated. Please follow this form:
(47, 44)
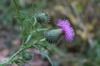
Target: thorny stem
(17, 8)
(21, 49)
(18, 11)
(37, 30)
(8, 61)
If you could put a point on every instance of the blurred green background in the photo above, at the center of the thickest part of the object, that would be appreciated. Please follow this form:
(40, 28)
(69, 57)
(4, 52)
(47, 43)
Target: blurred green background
(84, 16)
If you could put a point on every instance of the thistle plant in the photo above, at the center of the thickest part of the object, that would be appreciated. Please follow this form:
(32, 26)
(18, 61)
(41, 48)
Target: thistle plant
(29, 29)
(31, 32)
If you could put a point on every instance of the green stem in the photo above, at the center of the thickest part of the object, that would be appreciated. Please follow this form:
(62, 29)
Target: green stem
(8, 61)
(16, 5)
(30, 35)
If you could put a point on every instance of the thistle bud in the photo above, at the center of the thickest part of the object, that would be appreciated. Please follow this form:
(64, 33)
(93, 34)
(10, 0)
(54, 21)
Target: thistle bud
(27, 56)
(54, 35)
(42, 18)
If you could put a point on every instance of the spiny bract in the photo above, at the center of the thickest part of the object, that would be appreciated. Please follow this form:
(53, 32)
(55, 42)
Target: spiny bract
(53, 35)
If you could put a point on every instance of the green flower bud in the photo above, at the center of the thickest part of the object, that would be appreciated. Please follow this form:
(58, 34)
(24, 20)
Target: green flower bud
(53, 35)
(27, 56)
(42, 18)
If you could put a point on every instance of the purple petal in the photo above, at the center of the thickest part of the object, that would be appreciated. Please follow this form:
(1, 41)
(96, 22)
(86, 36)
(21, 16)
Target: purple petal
(67, 29)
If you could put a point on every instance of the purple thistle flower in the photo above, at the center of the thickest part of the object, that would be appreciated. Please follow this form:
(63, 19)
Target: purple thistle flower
(66, 29)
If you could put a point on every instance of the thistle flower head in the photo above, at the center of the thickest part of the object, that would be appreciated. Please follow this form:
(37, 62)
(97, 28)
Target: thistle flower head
(66, 29)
